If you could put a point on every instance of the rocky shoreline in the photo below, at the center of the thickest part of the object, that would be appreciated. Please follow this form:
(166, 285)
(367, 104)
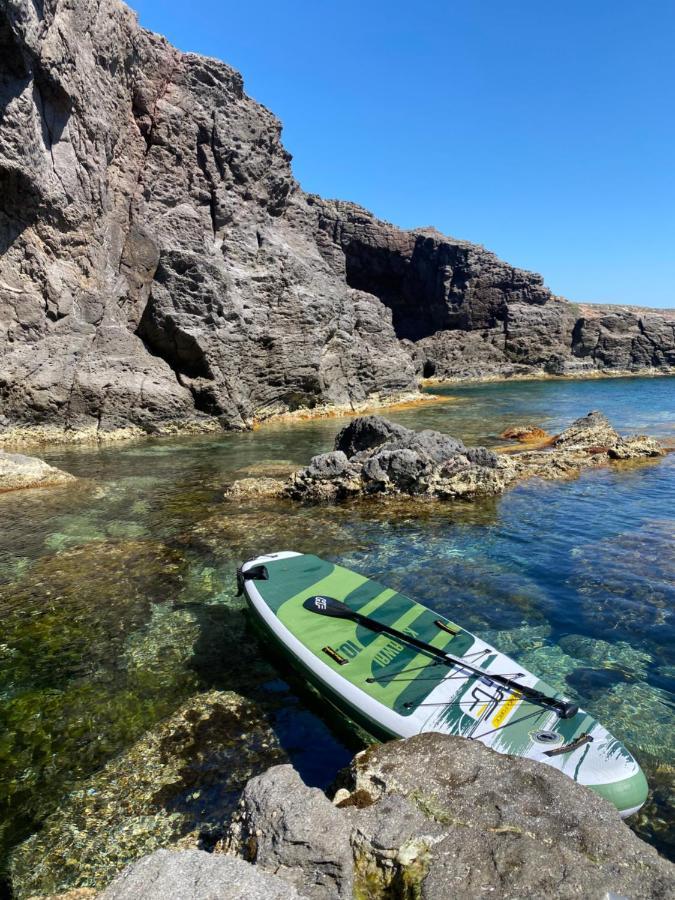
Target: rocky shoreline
(374, 458)
(431, 816)
(21, 436)
(542, 375)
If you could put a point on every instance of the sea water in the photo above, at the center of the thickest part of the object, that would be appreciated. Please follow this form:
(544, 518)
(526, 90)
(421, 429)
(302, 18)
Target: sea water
(118, 598)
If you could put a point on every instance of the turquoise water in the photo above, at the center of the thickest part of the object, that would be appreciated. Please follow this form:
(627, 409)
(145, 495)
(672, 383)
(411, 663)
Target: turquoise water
(117, 595)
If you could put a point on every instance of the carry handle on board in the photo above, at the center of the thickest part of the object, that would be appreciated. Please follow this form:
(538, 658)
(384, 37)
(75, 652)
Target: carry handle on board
(329, 606)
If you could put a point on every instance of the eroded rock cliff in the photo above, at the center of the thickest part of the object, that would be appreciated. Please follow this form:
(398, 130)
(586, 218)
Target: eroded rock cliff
(159, 263)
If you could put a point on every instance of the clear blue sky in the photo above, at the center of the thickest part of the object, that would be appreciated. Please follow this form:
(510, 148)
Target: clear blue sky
(543, 130)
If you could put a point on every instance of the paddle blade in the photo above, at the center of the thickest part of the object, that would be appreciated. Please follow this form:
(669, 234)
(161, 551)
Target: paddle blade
(328, 606)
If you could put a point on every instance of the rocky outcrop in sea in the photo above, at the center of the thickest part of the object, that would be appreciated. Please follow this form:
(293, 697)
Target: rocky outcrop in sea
(376, 458)
(161, 269)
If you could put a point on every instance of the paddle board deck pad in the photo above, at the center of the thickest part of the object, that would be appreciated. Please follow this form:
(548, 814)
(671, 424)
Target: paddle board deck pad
(393, 689)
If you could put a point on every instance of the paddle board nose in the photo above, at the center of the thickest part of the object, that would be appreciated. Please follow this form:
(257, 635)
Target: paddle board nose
(627, 794)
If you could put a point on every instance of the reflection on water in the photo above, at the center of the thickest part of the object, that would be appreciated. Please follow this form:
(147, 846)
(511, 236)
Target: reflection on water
(117, 596)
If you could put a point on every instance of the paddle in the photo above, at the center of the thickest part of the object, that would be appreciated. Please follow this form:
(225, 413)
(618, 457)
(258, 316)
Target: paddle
(329, 606)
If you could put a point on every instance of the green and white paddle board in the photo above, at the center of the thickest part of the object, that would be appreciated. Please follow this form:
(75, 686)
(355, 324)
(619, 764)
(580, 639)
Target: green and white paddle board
(393, 689)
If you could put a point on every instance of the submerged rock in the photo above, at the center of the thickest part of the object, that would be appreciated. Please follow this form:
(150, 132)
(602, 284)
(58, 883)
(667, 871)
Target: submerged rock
(178, 783)
(626, 583)
(248, 488)
(615, 655)
(18, 471)
(437, 816)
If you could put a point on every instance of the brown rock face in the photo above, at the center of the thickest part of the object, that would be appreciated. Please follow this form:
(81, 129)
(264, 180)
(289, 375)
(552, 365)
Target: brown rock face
(158, 262)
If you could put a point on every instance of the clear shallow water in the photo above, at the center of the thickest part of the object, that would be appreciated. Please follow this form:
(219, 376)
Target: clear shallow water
(117, 595)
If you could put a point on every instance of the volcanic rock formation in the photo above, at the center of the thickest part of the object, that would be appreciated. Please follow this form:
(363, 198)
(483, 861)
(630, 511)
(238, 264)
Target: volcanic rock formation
(159, 264)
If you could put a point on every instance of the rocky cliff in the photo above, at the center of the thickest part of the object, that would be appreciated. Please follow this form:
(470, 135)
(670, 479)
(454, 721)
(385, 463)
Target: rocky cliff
(160, 265)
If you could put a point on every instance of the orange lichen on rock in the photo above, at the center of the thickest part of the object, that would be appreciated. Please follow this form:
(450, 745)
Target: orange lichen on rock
(525, 434)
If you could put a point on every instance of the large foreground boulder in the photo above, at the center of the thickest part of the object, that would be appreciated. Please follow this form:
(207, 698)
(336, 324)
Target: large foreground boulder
(437, 816)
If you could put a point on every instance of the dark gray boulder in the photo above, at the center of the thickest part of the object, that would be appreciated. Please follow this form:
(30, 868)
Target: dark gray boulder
(367, 432)
(481, 456)
(399, 469)
(329, 465)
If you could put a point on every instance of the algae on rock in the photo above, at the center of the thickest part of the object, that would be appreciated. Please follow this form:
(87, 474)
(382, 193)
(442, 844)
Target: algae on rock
(176, 786)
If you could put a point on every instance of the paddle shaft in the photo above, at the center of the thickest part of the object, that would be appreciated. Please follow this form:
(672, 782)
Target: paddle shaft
(564, 709)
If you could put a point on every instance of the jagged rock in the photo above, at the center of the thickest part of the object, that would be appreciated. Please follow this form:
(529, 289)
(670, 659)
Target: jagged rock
(195, 875)
(590, 431)
(376, 457)
(636, 447)
(366, 432)
(438, 816)
(329, 465)
(161, 268)
(594, 434)
(18, 471)
(284, 826)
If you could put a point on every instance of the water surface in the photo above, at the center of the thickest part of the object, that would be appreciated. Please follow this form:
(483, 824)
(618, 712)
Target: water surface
(117, 595)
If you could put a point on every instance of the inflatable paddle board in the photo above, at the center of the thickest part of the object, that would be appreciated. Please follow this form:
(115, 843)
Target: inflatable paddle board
(397, 668)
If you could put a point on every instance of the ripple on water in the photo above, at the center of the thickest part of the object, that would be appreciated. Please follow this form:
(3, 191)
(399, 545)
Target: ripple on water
(626, 583)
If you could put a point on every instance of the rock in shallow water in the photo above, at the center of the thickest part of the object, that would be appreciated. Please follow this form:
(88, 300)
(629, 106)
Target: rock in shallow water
(377, 458)
(18, 471)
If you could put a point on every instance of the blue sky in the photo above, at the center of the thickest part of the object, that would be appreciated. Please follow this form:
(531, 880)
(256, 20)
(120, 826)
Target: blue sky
(545, 131)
